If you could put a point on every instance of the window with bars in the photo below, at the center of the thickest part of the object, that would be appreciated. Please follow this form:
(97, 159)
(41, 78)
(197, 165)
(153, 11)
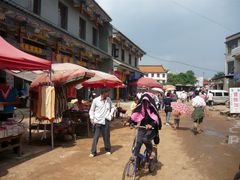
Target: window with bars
(62, 15)
(130, 59)
(136, 62)
(123, 55)
(82, 28)
(37, 7)
(95, 36)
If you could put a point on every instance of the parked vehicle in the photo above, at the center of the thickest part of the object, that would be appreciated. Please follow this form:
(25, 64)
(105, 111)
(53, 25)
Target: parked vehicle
(219, 96)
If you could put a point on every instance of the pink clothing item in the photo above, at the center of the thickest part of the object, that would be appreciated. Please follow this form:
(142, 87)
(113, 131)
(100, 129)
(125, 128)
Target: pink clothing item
(72, 92)
(139, 116)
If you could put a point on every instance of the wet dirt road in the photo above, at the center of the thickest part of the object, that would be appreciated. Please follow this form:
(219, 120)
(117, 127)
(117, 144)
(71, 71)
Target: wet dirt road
(182, 155)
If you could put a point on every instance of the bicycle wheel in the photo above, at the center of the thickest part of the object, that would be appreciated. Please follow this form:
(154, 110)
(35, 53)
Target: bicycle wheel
(18, 115)
(129, 170)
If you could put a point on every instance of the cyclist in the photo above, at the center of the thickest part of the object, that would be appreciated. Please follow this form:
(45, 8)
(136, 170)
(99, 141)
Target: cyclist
(146, 114)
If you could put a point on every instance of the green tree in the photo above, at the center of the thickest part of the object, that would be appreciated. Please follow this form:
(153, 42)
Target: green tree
(172, 79)
(182, 78)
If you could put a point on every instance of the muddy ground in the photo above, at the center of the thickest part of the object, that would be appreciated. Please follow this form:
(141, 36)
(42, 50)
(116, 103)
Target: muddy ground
(182, 155)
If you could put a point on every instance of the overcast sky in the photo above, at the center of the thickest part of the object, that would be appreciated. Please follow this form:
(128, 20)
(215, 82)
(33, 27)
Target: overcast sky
(188, 31)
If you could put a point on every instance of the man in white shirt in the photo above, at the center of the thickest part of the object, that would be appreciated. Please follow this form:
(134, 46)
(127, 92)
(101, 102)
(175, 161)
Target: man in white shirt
(100, 116)
(210, 98)
(199, 105)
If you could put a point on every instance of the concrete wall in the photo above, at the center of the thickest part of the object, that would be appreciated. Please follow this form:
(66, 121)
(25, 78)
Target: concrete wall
(104, 33)
(126, 56)
(24, 3)
(49, 11)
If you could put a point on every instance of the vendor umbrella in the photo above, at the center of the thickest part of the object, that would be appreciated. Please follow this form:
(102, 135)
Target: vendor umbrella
(182, 108)
(169, 87)
(146, 83)
(158, 90)
(63, 73)
(102, 79)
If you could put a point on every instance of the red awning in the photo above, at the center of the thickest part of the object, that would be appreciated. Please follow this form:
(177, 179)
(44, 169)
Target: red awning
(15, 59)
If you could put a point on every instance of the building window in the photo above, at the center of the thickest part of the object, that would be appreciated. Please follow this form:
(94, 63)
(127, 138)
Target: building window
(152, 74)
(130, 59)
(95, 36)
(163, 75)
(230, 67)
(123, 55)
(158, 75)
(136, 62)
(62, 15)
(115, 51)
(163, 81)
(232, 46)
(82, 28)
(37, 7)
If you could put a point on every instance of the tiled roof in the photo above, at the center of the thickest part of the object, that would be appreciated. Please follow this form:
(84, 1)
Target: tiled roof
(152, 69)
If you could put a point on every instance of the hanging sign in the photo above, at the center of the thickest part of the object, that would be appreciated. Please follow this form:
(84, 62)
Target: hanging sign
(234, 100)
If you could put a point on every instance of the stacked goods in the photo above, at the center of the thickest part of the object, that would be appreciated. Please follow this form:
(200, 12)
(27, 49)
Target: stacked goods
(11, 128)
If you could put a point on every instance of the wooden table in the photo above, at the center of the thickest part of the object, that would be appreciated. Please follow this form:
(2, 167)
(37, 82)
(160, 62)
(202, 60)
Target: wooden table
(81, 118)
(11, 142)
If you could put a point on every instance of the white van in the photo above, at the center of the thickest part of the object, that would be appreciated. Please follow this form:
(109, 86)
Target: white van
(219, 96)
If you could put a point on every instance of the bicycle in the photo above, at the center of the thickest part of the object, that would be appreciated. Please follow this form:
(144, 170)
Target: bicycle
(130, 170)
(18, 115)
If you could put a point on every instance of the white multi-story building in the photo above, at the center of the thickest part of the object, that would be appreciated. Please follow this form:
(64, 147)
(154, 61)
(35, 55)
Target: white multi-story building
(232, 61)
(157, 72)
(75, 31)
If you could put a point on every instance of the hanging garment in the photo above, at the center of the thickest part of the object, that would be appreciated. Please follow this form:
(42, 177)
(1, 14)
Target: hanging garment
(72, 92)
(46, 109)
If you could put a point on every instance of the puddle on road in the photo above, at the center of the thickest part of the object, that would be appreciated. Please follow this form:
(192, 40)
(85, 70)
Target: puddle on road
(229, 139)
(214, 133)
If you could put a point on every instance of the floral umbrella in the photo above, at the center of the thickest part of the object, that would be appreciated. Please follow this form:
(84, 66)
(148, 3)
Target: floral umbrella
(102, 79)
(63, 73)
(146, 83)
(169, 87)
(182, 108)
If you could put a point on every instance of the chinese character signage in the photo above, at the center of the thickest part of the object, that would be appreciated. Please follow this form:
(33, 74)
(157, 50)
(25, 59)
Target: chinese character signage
(234, 100)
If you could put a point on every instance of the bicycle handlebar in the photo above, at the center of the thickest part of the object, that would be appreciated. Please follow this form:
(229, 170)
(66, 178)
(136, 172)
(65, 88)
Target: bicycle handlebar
(140, 127)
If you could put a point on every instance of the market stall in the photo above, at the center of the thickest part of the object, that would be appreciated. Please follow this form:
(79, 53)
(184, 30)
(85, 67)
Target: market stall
(63, 76)
(13, 59)
(106, 80)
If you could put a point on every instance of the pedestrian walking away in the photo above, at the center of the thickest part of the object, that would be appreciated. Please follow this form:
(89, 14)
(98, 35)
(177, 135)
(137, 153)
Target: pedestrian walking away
(100, 115)
(168, 109)
(210, 98)
(198, 114)
(176, 115)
